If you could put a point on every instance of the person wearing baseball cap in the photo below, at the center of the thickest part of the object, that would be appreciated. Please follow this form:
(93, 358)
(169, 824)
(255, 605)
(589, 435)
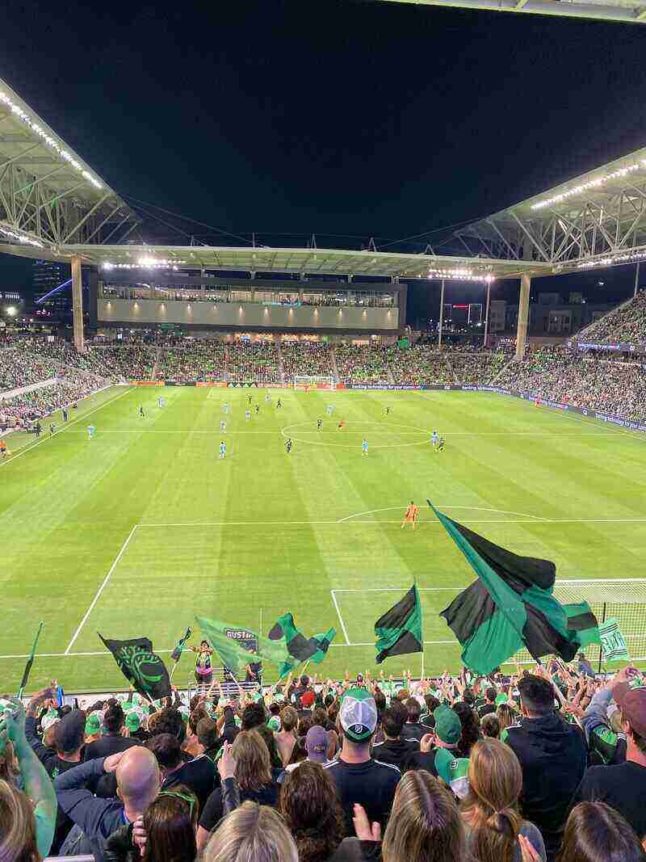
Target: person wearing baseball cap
(623, 785)
(359, 778)
(438, 751)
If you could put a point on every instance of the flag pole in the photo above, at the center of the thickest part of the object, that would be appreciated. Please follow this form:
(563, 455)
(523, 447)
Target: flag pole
(30, 661)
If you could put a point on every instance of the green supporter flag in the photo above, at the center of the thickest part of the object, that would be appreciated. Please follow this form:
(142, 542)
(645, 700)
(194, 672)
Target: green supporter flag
(235, 657)
(511, 605)
(179, 646)
(613, 643)
(399, 630)
(143, 668)
(300, 647)
(323, 642)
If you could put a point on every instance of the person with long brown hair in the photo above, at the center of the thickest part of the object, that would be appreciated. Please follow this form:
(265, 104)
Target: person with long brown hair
(595, 832)
(311, 808)
(424, 825)
(490, 809)
(253, 775)
(17, 826)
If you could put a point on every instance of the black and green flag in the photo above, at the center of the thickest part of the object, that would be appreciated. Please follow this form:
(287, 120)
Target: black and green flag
(143, 668)
(179, 646)
(399, 630)
(299, 647)
(511, 605)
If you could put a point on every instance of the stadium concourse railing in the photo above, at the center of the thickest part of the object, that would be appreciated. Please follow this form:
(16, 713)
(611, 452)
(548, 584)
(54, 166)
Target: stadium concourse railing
(449, 387)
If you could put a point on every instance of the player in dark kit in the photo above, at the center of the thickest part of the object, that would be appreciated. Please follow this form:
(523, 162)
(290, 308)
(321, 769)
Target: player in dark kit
(319, 424)
(279, 404)
(141, 410)
(288, 445)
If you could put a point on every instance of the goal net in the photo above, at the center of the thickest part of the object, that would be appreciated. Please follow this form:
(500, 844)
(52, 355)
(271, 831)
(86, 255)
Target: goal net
(314, 381)
(623, 599)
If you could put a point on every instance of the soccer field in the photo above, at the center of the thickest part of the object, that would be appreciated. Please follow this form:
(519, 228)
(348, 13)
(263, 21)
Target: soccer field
(138, 530)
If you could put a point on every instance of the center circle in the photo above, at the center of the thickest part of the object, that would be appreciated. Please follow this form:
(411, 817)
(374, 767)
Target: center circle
(354, 432)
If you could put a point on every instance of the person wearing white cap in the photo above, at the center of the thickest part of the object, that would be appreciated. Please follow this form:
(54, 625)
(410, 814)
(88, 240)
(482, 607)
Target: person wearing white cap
(359, 779)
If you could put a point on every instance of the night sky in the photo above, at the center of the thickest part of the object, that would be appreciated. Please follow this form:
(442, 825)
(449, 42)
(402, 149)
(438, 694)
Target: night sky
(334, 117)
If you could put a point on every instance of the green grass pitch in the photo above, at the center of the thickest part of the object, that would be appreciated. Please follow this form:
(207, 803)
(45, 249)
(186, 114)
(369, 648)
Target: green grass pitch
(136, 531)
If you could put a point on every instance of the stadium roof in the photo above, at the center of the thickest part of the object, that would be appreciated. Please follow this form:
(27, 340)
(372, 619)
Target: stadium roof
(625, 11)
(595, 219)
(311, 261)
(48, 195)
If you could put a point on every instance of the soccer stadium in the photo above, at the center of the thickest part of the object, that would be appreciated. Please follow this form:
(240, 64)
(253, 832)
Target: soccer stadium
(293, 571)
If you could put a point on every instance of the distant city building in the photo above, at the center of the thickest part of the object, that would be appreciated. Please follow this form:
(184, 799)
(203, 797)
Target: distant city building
(47, 276)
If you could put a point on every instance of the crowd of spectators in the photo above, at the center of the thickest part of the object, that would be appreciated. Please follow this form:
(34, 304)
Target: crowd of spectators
(537, 766)
(254, 361)
(22, 411)
(310, 358)
(199, 360)
(359, 363)
(614, 388)
(623, 325)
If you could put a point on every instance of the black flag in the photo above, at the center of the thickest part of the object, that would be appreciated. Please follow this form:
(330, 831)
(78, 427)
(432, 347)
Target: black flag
(143, 668)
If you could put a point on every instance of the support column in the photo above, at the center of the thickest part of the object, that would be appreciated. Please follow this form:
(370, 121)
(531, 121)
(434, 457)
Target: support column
(486, 320)
(636, 278)
(439, 333)
(77, 304)
(523, 315)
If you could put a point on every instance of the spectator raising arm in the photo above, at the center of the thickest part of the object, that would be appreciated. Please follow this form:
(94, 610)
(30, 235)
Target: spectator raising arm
(35, 780)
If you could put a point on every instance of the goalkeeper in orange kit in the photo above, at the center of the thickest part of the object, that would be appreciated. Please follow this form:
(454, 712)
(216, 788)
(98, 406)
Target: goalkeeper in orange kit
(411, 515)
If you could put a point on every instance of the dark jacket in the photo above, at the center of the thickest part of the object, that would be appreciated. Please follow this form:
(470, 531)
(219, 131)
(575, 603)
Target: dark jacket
(553, 756)
(98, 818)
(397, 752)
(119, 846)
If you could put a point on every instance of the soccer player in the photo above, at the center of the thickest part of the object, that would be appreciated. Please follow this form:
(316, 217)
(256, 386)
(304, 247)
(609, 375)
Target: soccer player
(225, 408)
(223, 449)
(91, 430)
(257, 409)
(440, 444)
(267, 398)
(364, 446)
(410, 516)
(141, 411)
(3, 448)
(288, 445)
(38, 428)
(52, 429)
(434, 439)
(247, 415)
(319, 424)
(341, 425)
(329, 409)
(279, 404)
(387, 411)
(223, 425)
(161, 401)
(64, 414)
(249, 399)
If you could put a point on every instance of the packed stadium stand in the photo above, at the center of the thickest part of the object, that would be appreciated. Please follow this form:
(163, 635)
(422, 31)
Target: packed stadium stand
(623, 325)
(443, 770)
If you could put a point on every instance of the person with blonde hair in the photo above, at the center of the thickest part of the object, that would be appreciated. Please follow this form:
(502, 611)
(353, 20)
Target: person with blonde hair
(490, 810)
(424, 825)
(251, 833)
(595, 832)
(253, 777)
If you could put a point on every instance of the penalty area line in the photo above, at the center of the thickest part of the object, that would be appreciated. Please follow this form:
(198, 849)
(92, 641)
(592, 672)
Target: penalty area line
(102, 587)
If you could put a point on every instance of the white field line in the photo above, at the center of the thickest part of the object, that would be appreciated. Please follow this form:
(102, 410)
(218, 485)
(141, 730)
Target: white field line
(338, 613)
(467, 508)
(61, 430)
(103, 585)
(354, 519)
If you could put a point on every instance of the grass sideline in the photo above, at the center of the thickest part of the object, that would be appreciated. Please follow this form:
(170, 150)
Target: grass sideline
(136, 531)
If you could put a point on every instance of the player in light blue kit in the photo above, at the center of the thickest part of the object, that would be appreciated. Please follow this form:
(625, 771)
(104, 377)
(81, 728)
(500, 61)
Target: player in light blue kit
(91, 430)
(223, 449)
(434, 438)
(329, 409)
(247, 415)
(223, 425)
(161, 401)
(225, 408)
(364, 446)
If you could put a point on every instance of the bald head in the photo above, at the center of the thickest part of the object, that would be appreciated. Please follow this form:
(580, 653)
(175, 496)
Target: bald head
(138, 778)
